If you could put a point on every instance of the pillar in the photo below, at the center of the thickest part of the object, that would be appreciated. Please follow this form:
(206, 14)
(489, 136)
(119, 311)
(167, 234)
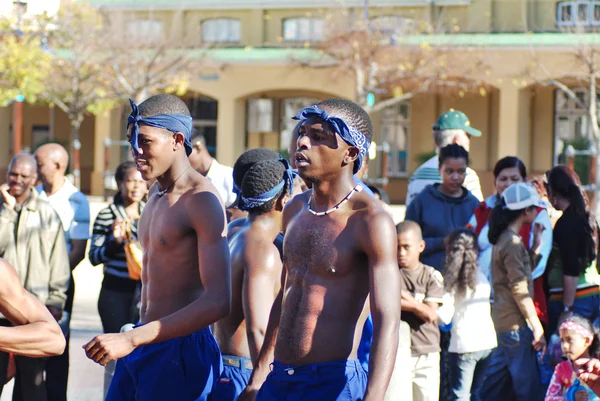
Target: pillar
(106, 125)
(231, 130)
(514, 124)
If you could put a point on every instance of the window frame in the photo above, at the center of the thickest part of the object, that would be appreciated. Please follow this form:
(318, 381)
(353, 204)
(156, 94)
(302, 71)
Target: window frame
(312, 30)
(216, 20)
(573, 6)
(145, 35)
(406, 28)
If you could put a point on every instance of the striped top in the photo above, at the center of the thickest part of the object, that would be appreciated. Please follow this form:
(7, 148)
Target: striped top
(428, 174)
(104, 249)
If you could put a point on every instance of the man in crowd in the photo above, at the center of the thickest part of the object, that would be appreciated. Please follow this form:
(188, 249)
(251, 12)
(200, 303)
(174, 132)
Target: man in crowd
(451, 127)
(33, 242)
(186, 284)
(255, 270)
(74, 211)
(219, 175)
(339, 248)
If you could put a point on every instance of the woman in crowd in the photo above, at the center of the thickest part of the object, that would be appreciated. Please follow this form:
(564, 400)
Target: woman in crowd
(467, 305)
(442, 208)
(119, 294)
(508, 171)
(540, 182)
(520, 333)
(572, 273)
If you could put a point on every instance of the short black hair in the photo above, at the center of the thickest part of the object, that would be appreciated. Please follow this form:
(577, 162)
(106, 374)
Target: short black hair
(163, 104)
(354, 115)
(453, 151)
(261, 177)
(123, 168)
(247, 160)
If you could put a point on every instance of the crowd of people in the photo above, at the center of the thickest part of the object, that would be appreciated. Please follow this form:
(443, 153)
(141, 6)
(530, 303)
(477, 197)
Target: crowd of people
(287, 279)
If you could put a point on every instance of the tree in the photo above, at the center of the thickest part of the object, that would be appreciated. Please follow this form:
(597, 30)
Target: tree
(396, 59)
(582, 62)
(77, 84)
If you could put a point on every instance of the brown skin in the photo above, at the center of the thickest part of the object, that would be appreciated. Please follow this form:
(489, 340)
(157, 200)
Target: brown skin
(590, 374)
(506, 178)
(21, 178)
(52, 161)
(453, 172)
(256, 271)
(186, 283)
(200, 159)
(133, 189)
(410, 246)
(35, 333)
(322, 311)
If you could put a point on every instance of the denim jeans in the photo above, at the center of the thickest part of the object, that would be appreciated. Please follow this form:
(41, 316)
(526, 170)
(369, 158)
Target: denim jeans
(513, 372)
(587, 307)
(467, 372)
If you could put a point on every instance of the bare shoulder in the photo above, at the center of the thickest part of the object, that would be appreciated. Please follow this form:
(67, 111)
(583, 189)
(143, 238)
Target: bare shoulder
(295, 206)
(372, 221)
(204, 207)
(259, 252)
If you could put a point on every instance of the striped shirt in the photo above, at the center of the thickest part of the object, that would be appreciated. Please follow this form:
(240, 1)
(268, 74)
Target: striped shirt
(428, 173)
(104, 249)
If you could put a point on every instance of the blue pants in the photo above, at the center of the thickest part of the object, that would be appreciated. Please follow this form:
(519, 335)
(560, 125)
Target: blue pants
(184, 369)
(587, 307)
(234, 379)
(326, 381)
(513, 374)
(467, 372)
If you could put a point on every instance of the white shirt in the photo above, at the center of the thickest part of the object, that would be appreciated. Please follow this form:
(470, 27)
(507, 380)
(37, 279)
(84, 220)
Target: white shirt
(485, 248)
(73, 208)
(428, 173)
(222, 178)
(472, 325)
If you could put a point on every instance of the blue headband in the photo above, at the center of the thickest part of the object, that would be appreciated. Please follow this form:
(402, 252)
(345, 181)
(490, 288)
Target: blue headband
(350, 135)
(171, 122)
(244, 203)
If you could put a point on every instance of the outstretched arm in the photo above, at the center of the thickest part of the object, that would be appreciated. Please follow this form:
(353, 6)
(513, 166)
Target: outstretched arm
(207, 218)
(36, 333)
(378, 242)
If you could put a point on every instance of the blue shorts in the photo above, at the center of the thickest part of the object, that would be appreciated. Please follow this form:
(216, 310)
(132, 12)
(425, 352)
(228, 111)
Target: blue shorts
(325, 381)
(184, 369)
(234, 379)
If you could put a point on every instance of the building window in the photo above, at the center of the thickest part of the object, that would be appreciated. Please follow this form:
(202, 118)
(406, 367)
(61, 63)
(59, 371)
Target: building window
(571, 123)
(303, 29)
(392, 26)
(578, 13)
(260, 115)
(221, 30)
(204, 111)
(144, 30)
(395, 128)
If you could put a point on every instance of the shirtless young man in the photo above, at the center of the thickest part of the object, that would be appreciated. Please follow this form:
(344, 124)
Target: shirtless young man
(35, 333)
(256, 273)
(186, 282)
(339, 247)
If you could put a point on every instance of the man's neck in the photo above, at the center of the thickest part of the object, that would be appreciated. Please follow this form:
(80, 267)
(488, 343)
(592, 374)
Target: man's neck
(412, 267)
(327, 194)
(269, 223)
(23, 198)
(205, 164)
(53, 187)
(174, 173)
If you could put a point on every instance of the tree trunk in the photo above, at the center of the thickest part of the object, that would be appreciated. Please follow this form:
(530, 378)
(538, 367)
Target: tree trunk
(75, 148)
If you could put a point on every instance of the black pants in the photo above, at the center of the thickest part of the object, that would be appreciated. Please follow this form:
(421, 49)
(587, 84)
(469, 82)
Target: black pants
(117, 303)
(29, 379)
(57, 367)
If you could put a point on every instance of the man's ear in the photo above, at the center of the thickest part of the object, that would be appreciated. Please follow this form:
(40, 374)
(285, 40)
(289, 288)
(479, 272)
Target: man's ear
(421, 246)
(179, 140)
(283, 199)
(352, 154)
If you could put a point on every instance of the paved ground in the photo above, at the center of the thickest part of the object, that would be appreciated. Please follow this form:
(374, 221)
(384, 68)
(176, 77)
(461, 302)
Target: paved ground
(86, 378)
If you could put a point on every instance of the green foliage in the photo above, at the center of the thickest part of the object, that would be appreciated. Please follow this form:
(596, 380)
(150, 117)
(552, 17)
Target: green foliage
(24, 67)
(581, 162)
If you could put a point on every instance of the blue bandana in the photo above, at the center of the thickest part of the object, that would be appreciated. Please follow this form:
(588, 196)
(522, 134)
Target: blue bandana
(350, 135)
(244, 203)
(171, 122)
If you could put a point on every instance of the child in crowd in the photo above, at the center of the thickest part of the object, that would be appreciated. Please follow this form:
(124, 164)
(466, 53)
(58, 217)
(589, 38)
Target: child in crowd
(422, 291)
(579, 342)
(467, 306)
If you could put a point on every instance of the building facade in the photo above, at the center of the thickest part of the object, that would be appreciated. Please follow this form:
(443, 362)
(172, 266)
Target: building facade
(253, 84)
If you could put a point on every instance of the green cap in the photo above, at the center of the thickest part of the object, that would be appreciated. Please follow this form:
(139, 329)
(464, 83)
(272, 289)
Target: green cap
(454, 119)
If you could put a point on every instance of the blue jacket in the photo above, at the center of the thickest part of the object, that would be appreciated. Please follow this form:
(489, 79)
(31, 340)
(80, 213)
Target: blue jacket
(439, 215)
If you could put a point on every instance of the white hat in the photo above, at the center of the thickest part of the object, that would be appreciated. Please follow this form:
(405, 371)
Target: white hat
(522, 195)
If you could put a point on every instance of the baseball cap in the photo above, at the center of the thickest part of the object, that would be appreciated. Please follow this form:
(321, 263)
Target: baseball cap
(454, 119)
(522, 195)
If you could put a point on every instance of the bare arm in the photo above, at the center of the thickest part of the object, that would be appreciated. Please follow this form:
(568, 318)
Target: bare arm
(426, 311)
(77, 252)
(263, 267)
(36, 333)
(378, 242)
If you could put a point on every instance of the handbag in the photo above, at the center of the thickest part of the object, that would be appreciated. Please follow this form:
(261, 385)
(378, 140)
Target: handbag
(133, 250)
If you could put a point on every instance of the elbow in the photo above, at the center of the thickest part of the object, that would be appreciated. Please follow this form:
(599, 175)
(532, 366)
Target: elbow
(58, 346)
(56, 342)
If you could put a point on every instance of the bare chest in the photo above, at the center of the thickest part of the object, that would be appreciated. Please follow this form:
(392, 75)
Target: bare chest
(320, 246)
(163, 226)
